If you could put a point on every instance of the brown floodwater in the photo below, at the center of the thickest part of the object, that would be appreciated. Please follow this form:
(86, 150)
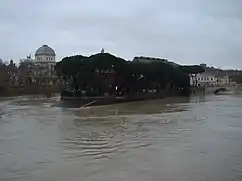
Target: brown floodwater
(174, 139)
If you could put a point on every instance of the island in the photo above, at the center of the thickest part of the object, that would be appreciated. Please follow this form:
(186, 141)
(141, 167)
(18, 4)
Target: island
(106, 79)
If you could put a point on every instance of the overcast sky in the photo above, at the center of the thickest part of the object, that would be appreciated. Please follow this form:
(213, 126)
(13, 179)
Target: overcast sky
(185, 31)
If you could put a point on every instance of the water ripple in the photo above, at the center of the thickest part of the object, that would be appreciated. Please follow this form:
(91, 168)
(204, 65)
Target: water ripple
(171, 139)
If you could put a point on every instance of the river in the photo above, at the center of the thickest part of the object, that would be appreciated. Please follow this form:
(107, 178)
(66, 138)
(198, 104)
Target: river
(174, 139)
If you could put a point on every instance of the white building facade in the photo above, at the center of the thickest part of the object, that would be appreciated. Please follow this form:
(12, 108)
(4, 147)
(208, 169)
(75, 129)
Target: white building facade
(223, 80)
(205, 79)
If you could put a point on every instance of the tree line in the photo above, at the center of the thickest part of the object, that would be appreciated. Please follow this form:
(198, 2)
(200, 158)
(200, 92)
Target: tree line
(105, 73)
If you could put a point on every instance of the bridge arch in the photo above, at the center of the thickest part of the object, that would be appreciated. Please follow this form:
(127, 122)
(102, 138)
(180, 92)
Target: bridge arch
(220, 90)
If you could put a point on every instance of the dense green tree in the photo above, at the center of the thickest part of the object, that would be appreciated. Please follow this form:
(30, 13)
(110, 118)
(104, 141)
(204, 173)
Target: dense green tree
(104, 72)
(192, 69)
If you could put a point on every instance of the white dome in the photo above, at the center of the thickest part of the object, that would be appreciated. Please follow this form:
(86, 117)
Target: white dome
(45, 50)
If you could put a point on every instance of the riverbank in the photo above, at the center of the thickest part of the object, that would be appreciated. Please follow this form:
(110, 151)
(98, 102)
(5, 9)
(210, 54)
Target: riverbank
(84, 101)
(105, 100)
(7, 91)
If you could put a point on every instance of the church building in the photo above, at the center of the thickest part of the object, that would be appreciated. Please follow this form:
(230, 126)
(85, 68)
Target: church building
(45, 61)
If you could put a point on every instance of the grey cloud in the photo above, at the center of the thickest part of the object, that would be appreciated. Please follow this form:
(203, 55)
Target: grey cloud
(188, 32)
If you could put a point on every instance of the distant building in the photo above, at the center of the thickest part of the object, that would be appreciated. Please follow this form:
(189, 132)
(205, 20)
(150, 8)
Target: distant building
(223, 80)
(206, 79)
(40, 70)
(203, 65)
(45, 61)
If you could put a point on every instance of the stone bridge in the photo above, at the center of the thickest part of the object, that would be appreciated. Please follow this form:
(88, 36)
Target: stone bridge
(216, 89)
